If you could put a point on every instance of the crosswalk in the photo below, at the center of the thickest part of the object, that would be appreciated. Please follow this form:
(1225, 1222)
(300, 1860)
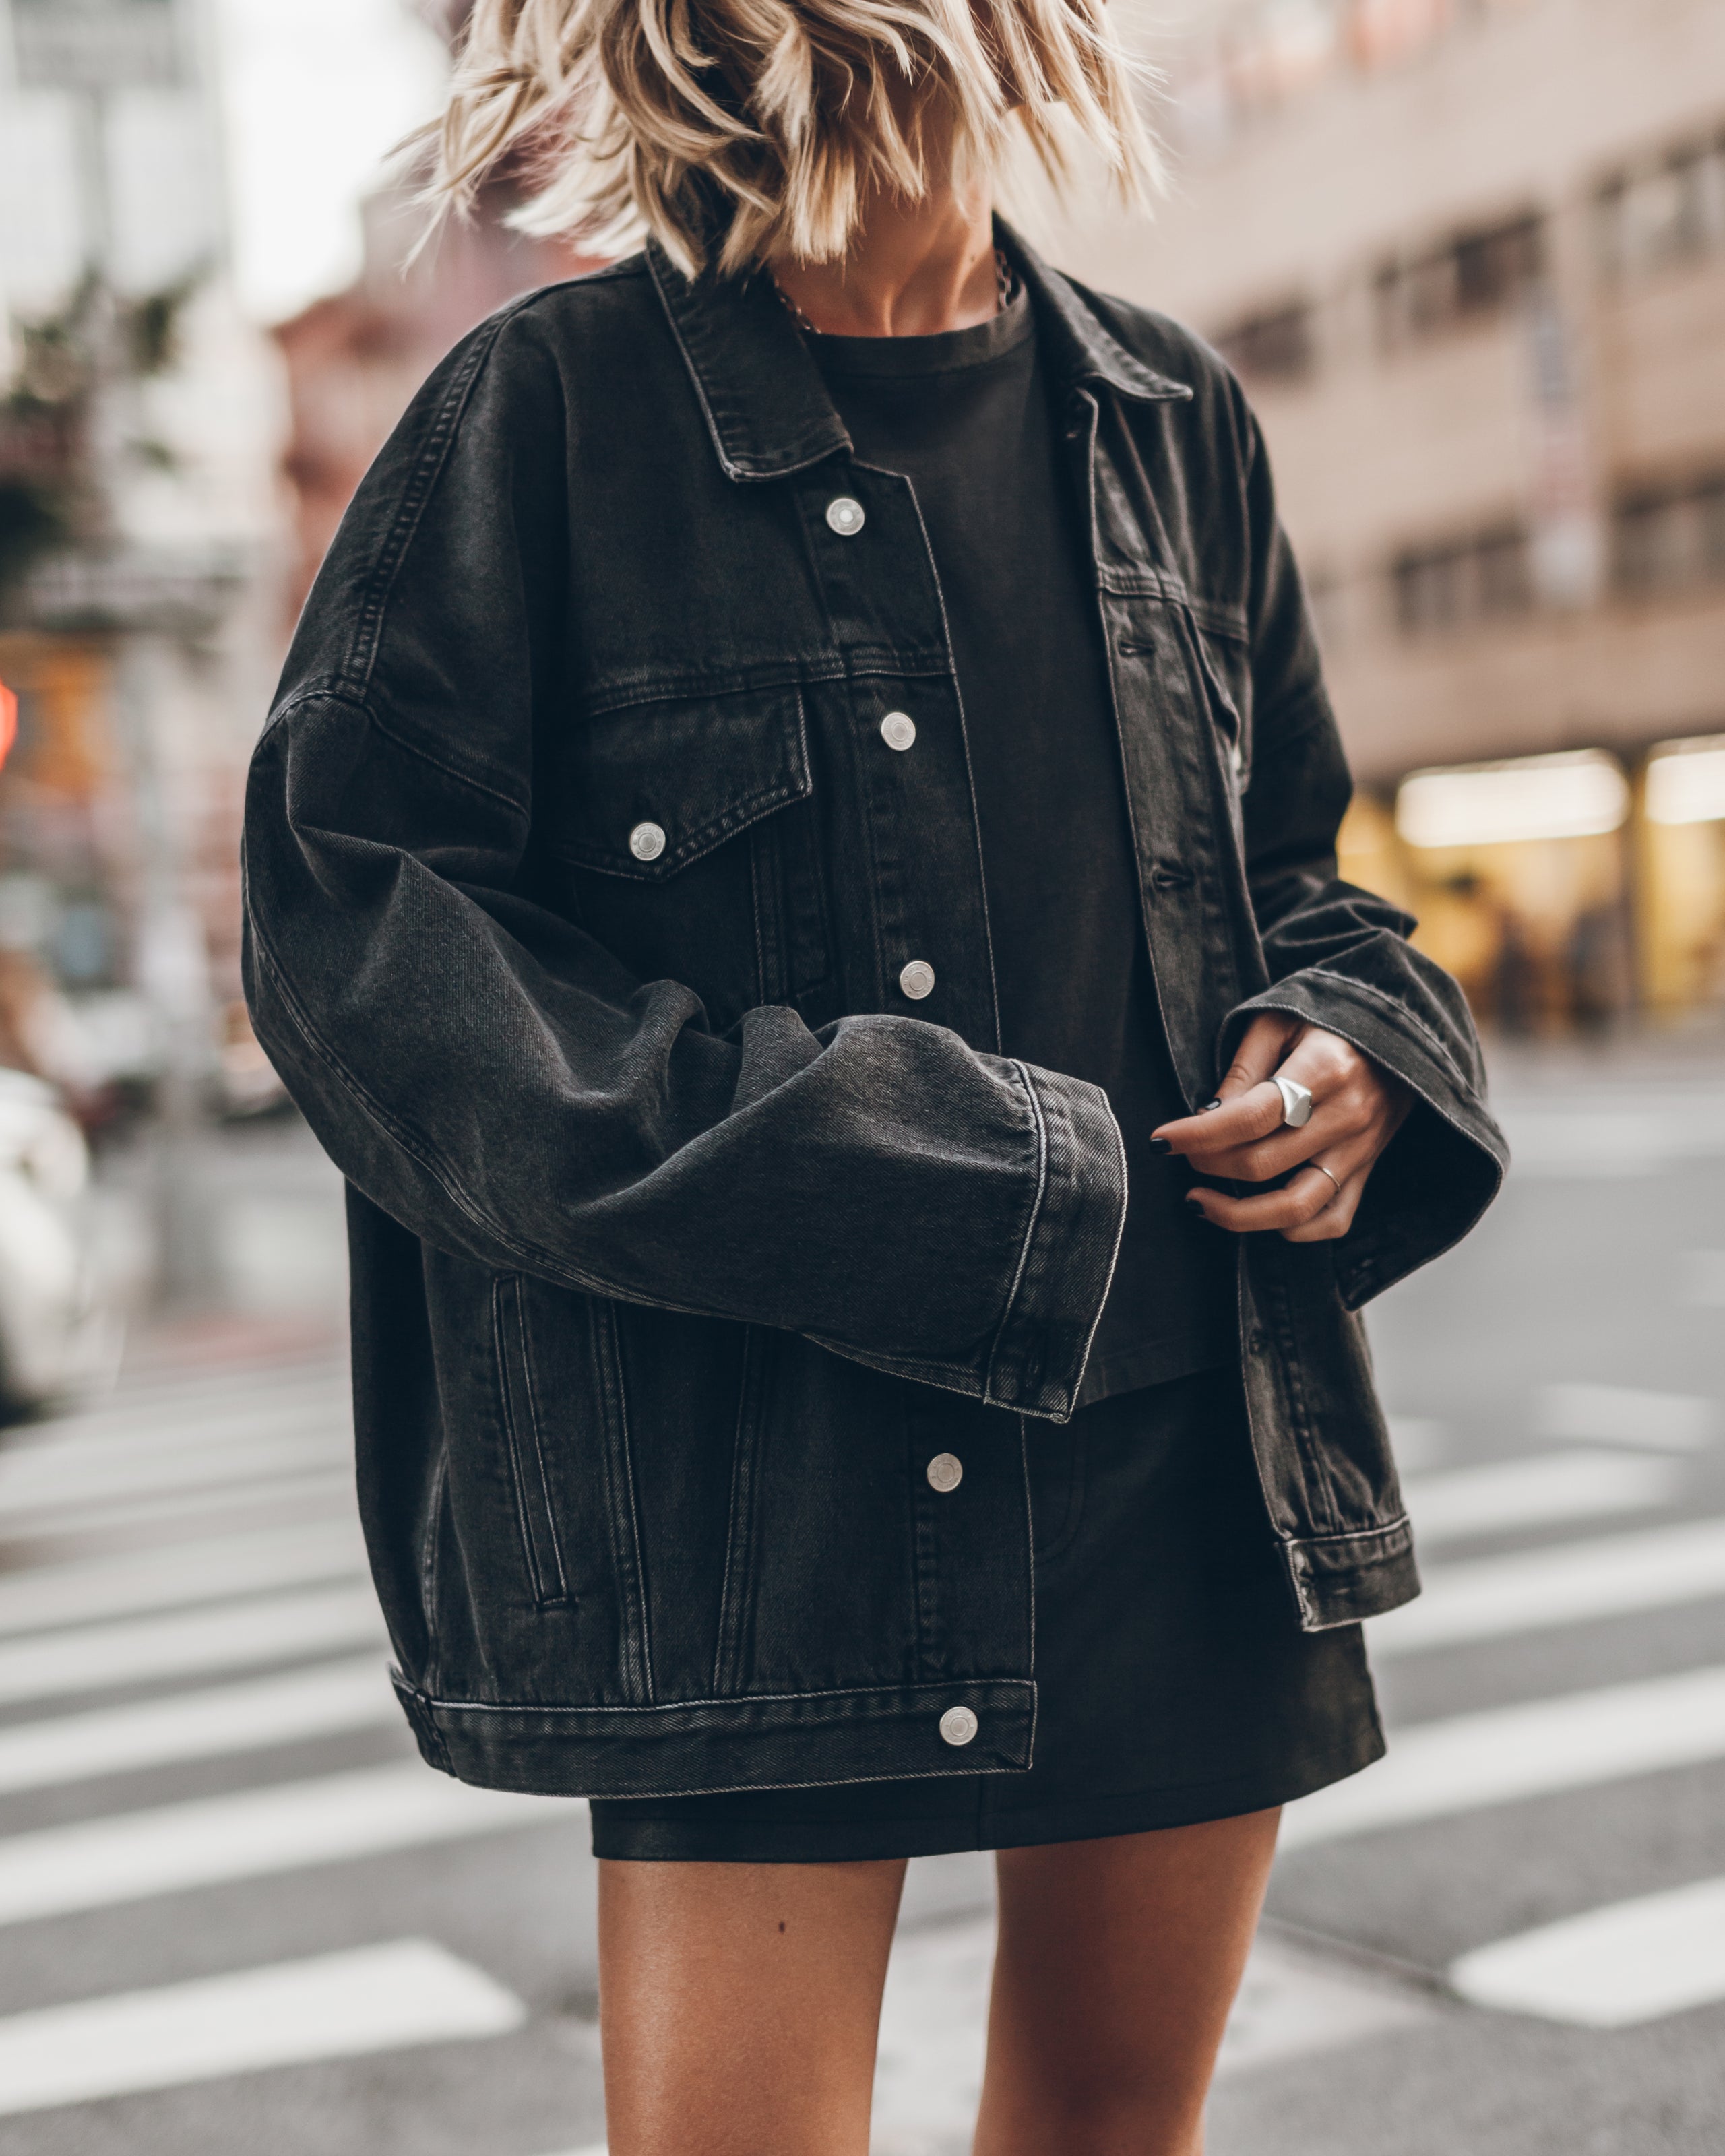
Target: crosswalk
(182, 1593)
(333, 2006)
(261, 1713)
(1609, 1968)
(254, 1833)
(180, 1575)
(275, 1628)
(1440, 1769)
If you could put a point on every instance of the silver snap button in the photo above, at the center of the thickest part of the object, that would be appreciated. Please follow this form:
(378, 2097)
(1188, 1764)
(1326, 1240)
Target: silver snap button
(845, 515)
(958, 1725)
(898, 730)
(917, 980)
(946, 1471)
(646, 842)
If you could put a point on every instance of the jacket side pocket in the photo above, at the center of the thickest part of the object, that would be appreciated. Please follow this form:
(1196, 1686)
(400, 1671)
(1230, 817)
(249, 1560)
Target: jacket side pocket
(737, 1598)
(628, 1569)
(534, 1514)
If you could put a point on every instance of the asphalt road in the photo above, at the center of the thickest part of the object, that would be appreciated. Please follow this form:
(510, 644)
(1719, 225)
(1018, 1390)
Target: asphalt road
(237, 1915)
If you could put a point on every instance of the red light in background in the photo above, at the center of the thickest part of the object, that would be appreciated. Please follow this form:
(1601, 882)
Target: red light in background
(8, 722)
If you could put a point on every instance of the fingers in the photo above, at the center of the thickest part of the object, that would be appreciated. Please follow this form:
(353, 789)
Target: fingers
(1353, 1128)
(1246, 1105)
(1263, 1048)
(1308, 1209)
(1245, 1120)
(1264, 1159)
(1244, 1135)
(1247, 1139)
(1333, 1220)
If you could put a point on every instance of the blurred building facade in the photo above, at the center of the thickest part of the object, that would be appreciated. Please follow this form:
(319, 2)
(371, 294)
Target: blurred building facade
(355, 358)
(1469, 257)
(170, 477)
(140, 514)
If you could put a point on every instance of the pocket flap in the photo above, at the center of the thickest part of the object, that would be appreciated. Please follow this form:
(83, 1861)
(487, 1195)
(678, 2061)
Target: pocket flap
(651, 786)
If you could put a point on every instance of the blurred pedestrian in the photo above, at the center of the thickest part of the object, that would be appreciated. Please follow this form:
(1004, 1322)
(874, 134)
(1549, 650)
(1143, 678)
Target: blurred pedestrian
(806, 762)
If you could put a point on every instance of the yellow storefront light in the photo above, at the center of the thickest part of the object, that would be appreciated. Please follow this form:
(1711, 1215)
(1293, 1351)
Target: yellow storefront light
(1580, 793)
(1686, 781)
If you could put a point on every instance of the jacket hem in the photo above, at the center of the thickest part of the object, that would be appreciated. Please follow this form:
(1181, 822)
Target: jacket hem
(701, 1746)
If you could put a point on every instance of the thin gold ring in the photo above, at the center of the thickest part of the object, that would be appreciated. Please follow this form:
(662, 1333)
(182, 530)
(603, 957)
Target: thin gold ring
(1322, 1170)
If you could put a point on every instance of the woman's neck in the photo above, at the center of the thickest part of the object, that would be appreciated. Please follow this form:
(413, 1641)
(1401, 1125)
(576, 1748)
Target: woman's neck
(913, 268)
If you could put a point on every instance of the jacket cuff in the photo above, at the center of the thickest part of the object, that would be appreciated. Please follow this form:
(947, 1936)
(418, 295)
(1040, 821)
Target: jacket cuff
(1441, 1169)
(1066, 1265)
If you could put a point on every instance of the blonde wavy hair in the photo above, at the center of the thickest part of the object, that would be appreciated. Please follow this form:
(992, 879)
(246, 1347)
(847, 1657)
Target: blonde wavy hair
(738, 131)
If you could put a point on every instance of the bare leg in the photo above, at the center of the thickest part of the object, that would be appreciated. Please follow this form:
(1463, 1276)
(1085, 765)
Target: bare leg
(739, 2005)
(1118, 1961)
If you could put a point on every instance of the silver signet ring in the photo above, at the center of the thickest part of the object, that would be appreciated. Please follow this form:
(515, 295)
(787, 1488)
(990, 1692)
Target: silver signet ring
(1295, 1102)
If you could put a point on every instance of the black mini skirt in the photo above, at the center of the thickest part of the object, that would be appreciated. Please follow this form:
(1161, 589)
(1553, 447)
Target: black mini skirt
(1173, 1682)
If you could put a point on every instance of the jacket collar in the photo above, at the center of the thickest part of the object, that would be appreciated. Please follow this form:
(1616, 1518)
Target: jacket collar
(767, 408)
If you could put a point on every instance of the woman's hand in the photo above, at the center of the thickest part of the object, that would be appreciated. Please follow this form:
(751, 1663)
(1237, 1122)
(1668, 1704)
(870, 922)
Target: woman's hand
(1357, 1108)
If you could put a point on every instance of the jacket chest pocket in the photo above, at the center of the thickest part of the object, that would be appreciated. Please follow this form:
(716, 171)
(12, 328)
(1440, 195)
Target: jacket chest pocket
(689, 828)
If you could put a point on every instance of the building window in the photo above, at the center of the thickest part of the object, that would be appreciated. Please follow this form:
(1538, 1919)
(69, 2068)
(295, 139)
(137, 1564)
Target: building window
(1474, 273)
(1667, 211)
(1672, 538)
(1274, 346)
(1458, 585)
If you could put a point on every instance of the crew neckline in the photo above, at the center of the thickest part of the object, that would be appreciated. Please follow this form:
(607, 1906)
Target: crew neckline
(944, 353)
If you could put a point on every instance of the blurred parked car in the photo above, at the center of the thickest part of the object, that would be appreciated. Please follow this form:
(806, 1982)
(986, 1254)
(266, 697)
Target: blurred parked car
(49, 1314)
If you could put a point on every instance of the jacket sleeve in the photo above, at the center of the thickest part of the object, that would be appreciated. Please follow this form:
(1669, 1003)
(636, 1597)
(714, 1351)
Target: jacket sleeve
(1339, 956)
(487, 1073)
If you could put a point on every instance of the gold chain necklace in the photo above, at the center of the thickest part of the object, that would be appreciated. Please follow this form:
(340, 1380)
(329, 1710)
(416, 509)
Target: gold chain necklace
(1006, 285)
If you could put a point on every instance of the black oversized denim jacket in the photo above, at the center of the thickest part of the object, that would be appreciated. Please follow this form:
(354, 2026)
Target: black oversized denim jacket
(682, 1240)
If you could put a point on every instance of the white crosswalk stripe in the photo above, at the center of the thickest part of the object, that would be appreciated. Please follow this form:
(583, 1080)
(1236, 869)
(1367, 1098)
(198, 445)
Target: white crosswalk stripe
(1622, 1415)
(174, 1575)
(1437, 1769)
(1541, 1492)
(1572, 1584)
(73, 1459)
(199, 1725)
(258, 1834)
(84, 1487)
(327, 1489)
(272, 1629)
(336, 2006)
(1631, 1961)
(173, 1408)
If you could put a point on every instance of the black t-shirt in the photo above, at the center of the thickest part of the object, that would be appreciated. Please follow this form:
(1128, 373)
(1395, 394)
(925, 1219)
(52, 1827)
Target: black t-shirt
(965, 416)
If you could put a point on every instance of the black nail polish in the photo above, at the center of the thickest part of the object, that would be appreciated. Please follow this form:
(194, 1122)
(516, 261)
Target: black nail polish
(1208, 1105)
(1161, 1145)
